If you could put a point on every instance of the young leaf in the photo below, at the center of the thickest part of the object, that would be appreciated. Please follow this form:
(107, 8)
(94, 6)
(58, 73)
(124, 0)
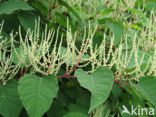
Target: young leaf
(99, 83)
(10, 104)
(37, 93)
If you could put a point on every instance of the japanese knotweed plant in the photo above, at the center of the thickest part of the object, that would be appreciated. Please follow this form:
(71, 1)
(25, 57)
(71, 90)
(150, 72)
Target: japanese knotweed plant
(35, 52)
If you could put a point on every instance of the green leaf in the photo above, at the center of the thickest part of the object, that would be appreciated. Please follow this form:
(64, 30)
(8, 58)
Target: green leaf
(77, 108)
(57, 109)
(27, 19)
(116, 91)
(11, 23)
(65, 4)
(42, 6)
(146, 87)
(13, 5)
(10, 104)
(99, 83)
(37, 93)
(117, 28)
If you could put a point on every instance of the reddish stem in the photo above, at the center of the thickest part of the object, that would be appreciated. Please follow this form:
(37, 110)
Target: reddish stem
(22, 74)
(122, 83)
(75, 66)
(66, 76)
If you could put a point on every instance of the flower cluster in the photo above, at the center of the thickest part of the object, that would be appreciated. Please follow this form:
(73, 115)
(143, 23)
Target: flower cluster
(44, 54)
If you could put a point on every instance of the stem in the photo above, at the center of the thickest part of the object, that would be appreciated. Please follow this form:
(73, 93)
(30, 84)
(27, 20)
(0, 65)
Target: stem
(66, 76)
(115, 81)
(121, 83)
(22, 74)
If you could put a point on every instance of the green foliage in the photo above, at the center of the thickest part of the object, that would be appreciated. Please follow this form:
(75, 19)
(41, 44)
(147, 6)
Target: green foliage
(146, 87)
(37, 93)
(75, 114)
(99, 83)
(10, 104)
(27, 20)
(116, 27)
(81, 58)
(13, 5)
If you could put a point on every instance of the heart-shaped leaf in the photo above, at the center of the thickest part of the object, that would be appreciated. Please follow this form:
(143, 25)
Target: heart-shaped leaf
(37, 93)
(99, 83)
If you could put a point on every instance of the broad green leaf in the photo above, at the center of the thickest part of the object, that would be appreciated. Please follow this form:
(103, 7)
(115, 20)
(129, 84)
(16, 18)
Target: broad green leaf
(99, 83)
(37, 93)
(146, 87)
(136, 98)
(27, 19)
(10, 104)
(117, 28)
(10, 6)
